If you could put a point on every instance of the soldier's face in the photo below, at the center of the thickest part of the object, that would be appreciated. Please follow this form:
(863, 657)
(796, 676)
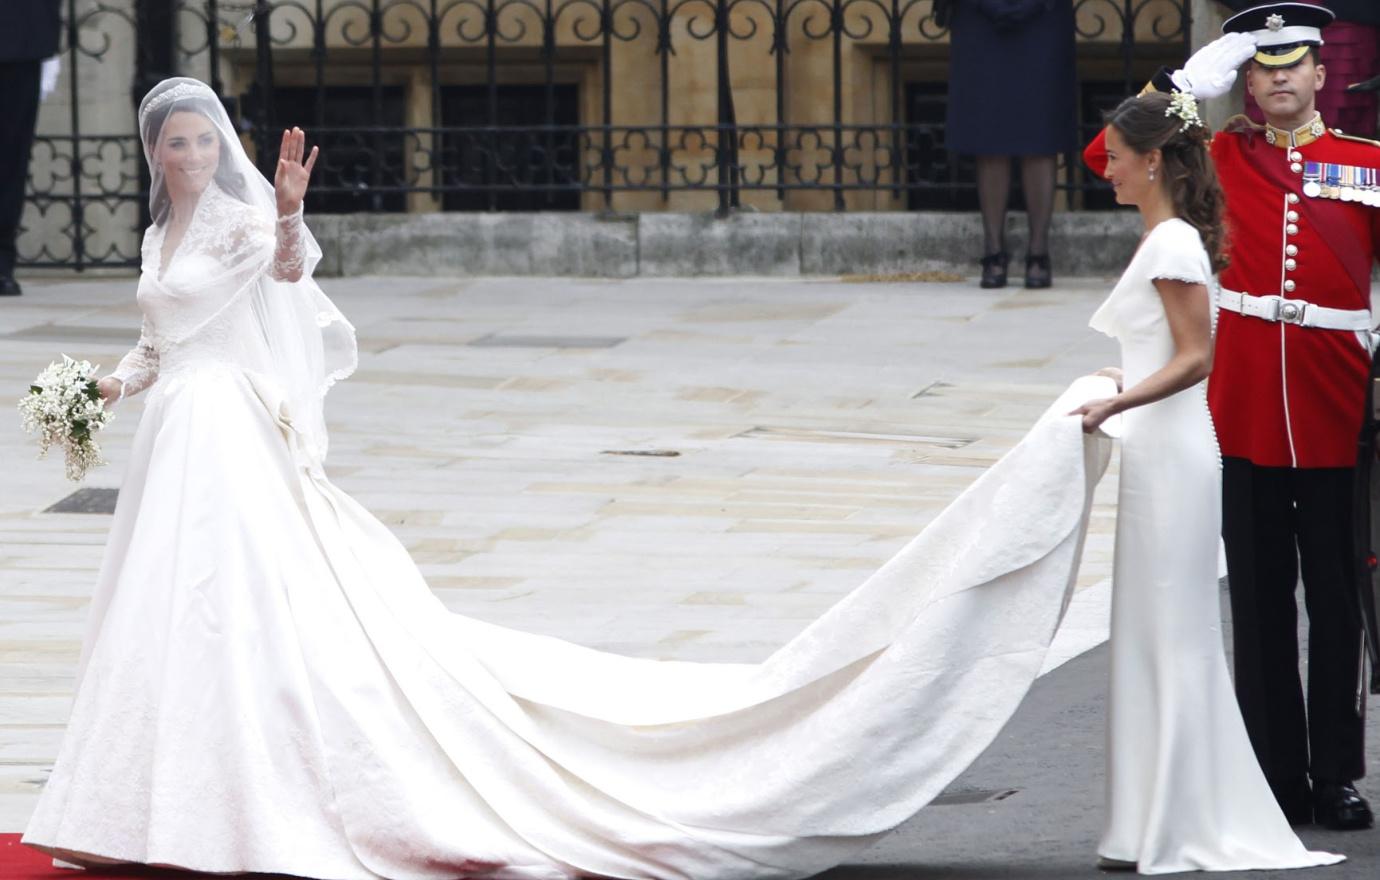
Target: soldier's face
(1286, 93)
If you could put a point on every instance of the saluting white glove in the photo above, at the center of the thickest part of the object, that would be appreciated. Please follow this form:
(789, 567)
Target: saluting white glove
(48, 77)
(1212, 69)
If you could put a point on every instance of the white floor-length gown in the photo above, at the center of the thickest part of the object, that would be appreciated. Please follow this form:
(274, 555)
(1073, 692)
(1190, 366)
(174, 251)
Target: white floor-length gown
(268, 685)
(1184, 789)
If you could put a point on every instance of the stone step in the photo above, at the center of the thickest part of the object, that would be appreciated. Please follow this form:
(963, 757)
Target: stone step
(687, 245)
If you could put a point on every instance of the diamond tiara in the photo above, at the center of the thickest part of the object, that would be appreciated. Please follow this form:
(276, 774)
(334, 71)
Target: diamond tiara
(181, 90)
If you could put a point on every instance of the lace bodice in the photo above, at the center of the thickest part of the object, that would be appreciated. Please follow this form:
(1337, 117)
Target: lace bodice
(194, 307)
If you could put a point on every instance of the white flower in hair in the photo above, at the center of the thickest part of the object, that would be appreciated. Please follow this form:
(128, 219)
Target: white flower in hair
(1183, 105)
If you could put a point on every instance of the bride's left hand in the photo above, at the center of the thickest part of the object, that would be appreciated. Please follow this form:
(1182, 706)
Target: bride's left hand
(290, 180)
(1095, 412)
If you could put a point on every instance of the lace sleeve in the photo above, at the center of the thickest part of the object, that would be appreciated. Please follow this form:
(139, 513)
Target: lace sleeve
(138, 369)
(289, 253)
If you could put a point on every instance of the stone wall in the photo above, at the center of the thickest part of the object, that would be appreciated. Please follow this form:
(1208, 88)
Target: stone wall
(680, 244)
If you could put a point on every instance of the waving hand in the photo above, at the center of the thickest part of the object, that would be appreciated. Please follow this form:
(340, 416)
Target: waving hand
(290, 180)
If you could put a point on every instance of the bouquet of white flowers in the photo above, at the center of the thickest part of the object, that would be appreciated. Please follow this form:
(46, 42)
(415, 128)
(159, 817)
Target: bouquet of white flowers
(64, 407)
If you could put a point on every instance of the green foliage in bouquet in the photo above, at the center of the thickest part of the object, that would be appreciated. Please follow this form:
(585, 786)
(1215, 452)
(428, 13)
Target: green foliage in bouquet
(65, 409)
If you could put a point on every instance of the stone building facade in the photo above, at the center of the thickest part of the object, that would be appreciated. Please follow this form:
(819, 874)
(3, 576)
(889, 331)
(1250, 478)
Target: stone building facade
(640, 91)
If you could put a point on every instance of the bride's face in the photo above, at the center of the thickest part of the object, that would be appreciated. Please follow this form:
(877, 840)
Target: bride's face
(188, 152)
(1128, 171)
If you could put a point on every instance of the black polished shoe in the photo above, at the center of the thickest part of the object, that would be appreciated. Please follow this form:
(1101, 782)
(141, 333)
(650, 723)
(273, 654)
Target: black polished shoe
(1339, 806)
(9, 287)
(1037, 274)
(994, 269)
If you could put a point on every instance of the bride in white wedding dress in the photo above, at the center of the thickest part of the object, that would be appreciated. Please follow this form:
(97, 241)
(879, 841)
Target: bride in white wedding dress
(268, 685)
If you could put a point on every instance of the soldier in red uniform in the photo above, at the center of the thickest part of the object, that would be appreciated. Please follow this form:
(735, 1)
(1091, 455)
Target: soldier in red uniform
(1287, 394)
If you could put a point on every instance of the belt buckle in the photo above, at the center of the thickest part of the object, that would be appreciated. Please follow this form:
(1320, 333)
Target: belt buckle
(1291, 311)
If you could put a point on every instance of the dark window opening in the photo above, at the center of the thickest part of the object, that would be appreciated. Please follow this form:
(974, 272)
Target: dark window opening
(945, 180)
(357, 166)
(1096, 97)
(534, 156)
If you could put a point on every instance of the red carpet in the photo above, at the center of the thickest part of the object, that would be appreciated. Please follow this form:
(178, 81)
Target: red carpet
(19, 862)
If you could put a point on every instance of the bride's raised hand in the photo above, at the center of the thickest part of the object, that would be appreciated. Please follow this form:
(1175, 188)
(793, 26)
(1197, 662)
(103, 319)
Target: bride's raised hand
(290, 180)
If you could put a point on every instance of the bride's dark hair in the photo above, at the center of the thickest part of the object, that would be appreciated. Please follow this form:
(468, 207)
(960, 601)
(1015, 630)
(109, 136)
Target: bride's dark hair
(230, 181)
(1145, 123)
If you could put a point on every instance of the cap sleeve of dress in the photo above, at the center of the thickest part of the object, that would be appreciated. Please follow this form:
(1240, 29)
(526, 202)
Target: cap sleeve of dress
(1177, 254)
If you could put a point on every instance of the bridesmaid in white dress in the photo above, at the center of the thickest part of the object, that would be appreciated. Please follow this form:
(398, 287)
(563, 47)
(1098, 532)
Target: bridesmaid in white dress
(1184, 789)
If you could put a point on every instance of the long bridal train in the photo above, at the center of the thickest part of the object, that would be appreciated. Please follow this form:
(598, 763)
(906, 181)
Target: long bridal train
(270, 686)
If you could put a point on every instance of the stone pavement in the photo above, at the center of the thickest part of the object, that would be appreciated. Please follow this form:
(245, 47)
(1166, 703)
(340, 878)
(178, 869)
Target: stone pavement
(1031, 807)
(668, 468)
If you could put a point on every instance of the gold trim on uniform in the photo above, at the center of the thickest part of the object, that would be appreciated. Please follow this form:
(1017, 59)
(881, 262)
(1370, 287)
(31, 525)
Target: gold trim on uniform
(1300, 137)
(1351, 137)
(1288, 59)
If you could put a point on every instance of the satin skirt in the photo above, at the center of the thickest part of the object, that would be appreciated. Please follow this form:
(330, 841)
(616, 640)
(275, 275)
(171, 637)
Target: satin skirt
(268, 685)
(1184, 789)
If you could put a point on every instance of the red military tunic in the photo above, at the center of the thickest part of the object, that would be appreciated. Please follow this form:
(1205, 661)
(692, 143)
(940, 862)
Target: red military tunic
(1283, 395)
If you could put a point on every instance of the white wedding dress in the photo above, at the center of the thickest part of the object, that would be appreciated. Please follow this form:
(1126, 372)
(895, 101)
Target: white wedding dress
(1184, 789)
(268, 685)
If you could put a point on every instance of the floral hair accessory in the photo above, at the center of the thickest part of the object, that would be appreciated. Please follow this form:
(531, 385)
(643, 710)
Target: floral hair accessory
(1182, 105)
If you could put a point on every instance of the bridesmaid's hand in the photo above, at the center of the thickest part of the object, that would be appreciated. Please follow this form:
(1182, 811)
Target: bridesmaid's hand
(290, 180)
(110, 389)
(1113, 373)
(1095, 412)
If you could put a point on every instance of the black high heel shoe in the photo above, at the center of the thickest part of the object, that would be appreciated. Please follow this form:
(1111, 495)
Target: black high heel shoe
(1037, 273)
(994, 269)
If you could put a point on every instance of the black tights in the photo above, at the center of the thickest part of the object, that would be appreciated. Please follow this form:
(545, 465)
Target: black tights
(994, 190)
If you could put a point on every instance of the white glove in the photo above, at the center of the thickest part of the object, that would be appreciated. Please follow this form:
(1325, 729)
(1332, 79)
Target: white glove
(1212, 69)
(48, 77)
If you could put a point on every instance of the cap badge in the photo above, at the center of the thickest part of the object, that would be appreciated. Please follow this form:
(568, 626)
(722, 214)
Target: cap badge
(1275, 22)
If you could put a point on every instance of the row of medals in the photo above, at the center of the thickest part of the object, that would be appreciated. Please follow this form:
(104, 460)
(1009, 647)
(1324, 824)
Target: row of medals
(1345, 183)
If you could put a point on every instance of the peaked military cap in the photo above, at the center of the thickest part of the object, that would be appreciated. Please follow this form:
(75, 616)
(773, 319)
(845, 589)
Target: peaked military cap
(1284, 32)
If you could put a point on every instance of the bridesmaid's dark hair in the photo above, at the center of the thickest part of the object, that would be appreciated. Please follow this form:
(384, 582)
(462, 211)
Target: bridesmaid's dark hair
(1145, 123)
(225, 177)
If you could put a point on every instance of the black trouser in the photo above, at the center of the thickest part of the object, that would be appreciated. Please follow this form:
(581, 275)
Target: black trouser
(1276, 520)
(18, 115)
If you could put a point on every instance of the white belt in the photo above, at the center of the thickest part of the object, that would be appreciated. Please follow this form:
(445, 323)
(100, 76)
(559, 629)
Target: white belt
(1293, 311)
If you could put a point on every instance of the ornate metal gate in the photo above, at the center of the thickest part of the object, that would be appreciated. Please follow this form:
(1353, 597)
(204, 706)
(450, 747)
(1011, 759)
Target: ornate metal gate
(512, 105)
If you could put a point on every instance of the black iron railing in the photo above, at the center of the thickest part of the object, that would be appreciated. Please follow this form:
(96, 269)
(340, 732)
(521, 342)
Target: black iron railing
(526, 104)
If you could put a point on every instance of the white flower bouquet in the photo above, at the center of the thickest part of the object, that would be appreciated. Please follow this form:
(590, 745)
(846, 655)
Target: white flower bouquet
(65, 409)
